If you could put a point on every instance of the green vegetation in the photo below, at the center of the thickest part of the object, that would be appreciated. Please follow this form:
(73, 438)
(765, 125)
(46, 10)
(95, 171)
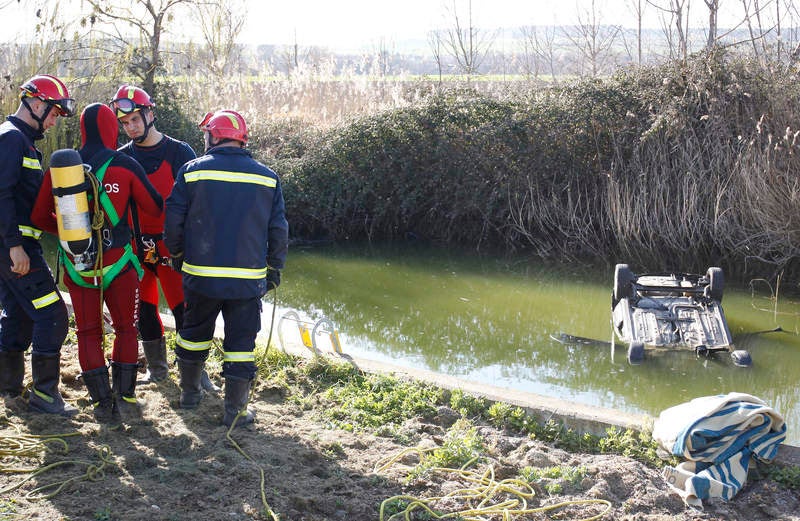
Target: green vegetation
(8, 510)
(553, 479)
(679, 164)
(462, 447)
(788, 476)
(380, 404)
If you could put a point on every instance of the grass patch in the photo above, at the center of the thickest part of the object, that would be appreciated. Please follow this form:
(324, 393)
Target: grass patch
(788, 476)
(368, 402)
(554, 479)
(462, 446)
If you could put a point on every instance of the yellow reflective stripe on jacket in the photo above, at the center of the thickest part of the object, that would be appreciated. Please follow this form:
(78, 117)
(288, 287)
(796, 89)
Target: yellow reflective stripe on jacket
(239, 356)
(31, 162)
(224, 272)
(193, 346)
(230, 177)
(45, 301)
(30, 231)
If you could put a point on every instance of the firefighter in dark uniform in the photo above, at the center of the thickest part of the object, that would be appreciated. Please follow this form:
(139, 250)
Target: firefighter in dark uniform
(226, 223)
(34, 314)
(161, 157)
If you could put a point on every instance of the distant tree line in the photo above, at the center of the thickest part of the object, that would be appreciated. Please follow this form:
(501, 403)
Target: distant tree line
(138, 39)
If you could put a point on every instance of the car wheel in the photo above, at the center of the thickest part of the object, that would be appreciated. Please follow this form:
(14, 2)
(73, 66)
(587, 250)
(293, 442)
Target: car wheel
(741, 358)
(635, 353)
(623, 284)
(716, 283)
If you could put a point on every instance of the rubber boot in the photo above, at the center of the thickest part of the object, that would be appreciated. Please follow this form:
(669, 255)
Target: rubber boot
(12, 371)
(155, 351)
(237, 393)
(44, 396)
(207, 384)
(97, 383)
(191, 375)
(123, 388)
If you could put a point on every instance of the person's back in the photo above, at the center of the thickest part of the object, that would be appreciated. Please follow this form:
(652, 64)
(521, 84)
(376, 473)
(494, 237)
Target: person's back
(234, 216)
(119, 182)
(225, 219)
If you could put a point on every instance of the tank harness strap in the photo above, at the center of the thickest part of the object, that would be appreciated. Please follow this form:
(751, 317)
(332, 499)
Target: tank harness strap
(108, 272)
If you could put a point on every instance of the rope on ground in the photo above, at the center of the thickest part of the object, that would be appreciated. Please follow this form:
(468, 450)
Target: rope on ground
(243, 412)
(485, 497)
(33, 446)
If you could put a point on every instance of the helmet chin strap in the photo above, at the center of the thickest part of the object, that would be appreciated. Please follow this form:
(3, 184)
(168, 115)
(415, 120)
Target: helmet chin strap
(39, 120)
(147, 126)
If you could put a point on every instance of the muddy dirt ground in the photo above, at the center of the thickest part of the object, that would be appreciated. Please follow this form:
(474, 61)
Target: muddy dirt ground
(174, 464)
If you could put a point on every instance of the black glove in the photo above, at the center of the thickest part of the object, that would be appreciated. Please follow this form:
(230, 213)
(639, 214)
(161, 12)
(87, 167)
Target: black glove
(176, 261)
(273, 278)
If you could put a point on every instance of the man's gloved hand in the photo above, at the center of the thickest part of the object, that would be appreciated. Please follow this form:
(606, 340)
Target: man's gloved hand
(176, 261)
(273, 278)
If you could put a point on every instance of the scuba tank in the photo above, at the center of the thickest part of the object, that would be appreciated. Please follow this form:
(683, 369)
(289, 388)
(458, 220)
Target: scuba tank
(72, 206)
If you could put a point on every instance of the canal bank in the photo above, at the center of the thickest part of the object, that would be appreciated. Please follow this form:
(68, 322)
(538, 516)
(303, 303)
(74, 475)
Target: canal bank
(577, 416)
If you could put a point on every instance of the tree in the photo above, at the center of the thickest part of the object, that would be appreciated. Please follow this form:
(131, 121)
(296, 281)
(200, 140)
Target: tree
(467, 44)
(221, 22)
(149, 19)
(539, 48)
(677, 14)
(593, 40)
(435, 44)
(638, 10)
(713, 11)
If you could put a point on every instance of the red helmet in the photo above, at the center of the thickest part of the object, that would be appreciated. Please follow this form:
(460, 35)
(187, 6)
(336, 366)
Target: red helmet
(225, 124)
(129, 99)
(50, 90)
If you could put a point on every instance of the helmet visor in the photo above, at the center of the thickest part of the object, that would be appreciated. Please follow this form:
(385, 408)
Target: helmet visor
(124, 106)
(65, 106)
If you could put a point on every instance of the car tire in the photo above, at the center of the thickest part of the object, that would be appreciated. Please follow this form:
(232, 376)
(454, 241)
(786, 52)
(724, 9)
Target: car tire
(716, 283)
(741, 358)
(623, 284)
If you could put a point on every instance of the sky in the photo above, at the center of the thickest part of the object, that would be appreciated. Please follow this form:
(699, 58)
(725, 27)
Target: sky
(354, 24)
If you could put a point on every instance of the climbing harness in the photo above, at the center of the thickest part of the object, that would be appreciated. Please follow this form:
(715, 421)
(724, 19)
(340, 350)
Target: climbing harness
(102, 275)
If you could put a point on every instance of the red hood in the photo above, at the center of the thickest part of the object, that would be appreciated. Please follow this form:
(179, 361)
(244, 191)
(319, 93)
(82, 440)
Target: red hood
(99, 128)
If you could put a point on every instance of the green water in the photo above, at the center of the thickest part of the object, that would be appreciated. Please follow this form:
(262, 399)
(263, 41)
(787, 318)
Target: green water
(491, 320)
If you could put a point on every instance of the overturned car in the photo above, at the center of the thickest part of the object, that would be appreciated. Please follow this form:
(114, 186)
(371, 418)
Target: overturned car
(672, 310)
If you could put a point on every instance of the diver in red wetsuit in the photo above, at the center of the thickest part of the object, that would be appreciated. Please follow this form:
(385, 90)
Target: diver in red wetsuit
(161, 157)
(114, 280)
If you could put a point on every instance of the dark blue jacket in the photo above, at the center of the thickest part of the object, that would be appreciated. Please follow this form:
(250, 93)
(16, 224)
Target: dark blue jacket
(227, 216)
(20, 177)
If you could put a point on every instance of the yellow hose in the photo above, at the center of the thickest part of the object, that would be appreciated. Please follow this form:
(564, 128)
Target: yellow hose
(33, 446)
(485, 497)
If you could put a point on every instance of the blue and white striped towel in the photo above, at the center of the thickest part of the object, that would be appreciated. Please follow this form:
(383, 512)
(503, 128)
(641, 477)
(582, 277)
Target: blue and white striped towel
(718, 435)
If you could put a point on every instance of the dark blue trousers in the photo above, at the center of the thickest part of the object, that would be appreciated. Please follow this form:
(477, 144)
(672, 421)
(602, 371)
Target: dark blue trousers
(33, 311)
(242, 319)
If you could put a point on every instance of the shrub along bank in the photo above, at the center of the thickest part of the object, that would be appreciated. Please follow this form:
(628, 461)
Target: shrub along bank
(678, 166)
